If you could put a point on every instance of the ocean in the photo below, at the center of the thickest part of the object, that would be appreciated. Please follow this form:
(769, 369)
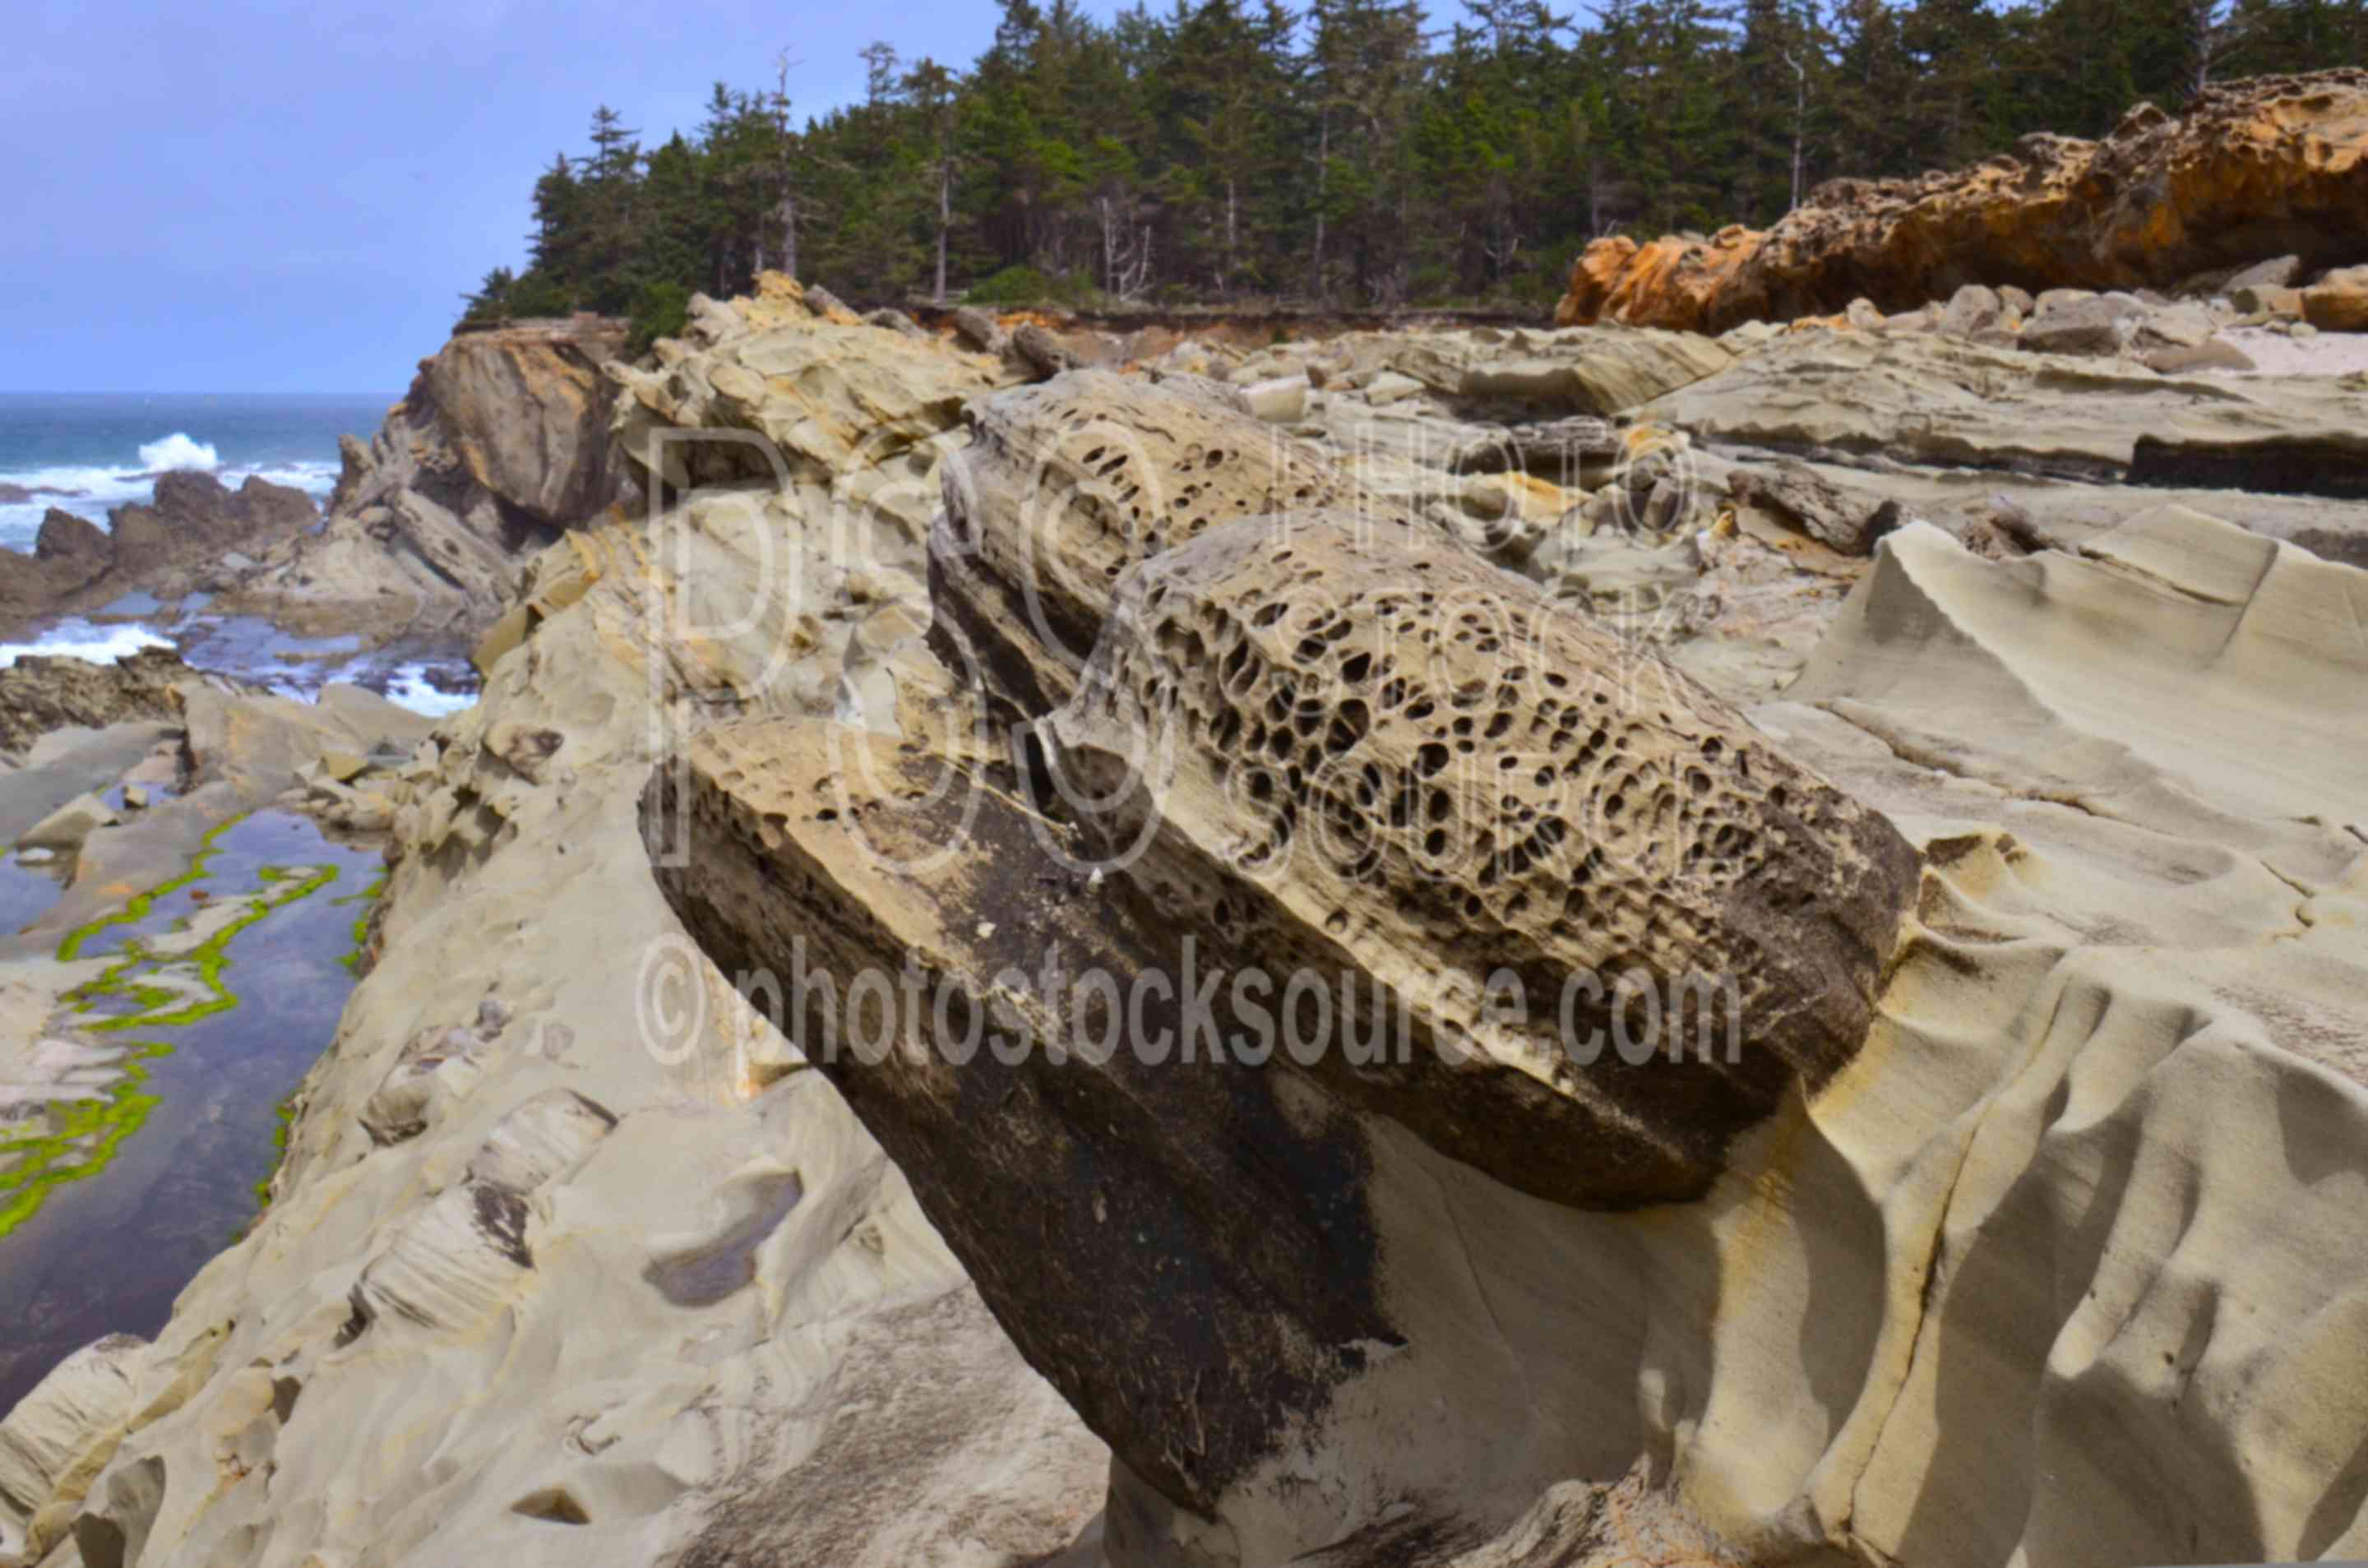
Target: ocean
(87, 451)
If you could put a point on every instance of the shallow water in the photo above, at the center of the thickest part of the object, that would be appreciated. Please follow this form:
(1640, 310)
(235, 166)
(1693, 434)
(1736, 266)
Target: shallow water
(173, 1158)
(26, 893)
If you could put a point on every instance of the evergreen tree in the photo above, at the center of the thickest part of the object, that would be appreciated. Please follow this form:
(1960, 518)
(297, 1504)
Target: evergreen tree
(1345, 154)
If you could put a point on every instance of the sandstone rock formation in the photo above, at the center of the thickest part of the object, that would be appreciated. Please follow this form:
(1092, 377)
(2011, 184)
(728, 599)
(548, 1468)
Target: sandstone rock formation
(832, 399)
(553, 1283)
(1066, 487)
(2264, 168)
(500, 447)
(2338, 302)
(1314, 700)
(1337, 1230)
(2018, 1223)
(1931, 399)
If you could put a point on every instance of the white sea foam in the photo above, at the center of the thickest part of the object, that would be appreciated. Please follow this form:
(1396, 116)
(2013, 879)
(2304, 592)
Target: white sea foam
(409, 688)
(91, 492)
(176, 450)
(81, 640)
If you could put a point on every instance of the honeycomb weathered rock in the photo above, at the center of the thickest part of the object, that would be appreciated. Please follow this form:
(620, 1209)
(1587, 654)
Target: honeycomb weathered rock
(1068, 484)
(2252, 169)
(1345, 746)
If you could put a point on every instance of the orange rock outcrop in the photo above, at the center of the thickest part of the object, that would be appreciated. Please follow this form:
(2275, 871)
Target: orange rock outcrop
(2270, 166)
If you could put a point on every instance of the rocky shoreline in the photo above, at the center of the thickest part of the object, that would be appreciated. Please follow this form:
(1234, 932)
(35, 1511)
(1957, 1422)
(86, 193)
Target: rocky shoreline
(1978, 686)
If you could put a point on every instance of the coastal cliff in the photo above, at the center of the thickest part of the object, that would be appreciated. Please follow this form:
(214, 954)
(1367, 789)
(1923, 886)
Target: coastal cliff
(499, 448)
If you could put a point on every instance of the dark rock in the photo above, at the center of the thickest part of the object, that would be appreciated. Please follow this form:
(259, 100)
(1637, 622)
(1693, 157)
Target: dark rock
(1042, 352)
(2332, 466)
(1554, 449)
(1842, 521)
(39, 694)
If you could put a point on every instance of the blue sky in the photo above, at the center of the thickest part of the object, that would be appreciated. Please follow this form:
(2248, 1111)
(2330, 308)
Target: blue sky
(291, 197)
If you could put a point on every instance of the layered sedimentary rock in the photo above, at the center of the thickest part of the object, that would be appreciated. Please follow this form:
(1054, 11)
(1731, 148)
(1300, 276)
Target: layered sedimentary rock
(2026, 1229)
(1321, 713)
(39, 695)
(773, 385)
(1345, 1314)
(500, 446)
(1929, 398)
(2275, 166)
(1359, 752)
(554, 1268)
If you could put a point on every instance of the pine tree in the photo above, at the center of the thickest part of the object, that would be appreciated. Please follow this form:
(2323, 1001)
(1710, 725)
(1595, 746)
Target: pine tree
(1345, 156)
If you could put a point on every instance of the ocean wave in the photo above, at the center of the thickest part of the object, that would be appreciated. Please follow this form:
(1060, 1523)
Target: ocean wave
(176, 450)
(91, 492)
(80, 640)
(410, 688)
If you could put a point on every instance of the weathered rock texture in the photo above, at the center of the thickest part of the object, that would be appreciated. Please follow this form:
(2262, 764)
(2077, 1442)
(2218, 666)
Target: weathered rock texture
(2032, 1237)
(1066, 487)
(1344, 1310)
(1326, 716)
(1359, 752)
(2273, 166)
(542, 1282)
(173, 541)
(39, 695)
(1928, 399)
(1909, 1299)
(500, 446)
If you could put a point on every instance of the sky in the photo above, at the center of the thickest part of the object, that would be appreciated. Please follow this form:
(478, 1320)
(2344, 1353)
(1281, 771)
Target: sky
(293, 197)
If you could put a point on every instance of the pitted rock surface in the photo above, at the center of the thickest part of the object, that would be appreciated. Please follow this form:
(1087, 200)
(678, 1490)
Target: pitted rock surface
(1349, 746)
(1065, 487)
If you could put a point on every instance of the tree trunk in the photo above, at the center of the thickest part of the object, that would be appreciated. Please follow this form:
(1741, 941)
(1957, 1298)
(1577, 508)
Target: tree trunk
(1233, 233)
(1800, 121)
(945, 222)
(1323, 169)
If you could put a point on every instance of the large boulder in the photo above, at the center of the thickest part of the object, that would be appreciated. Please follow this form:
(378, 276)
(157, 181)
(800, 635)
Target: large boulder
(1324, 711)
(2269, 166)
(41, 693)
(500, 446)
(2338, 302)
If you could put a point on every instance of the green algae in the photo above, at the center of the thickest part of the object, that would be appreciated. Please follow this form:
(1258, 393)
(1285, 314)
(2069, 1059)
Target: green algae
(367, 897)
(82, 1137)
(284, 1113)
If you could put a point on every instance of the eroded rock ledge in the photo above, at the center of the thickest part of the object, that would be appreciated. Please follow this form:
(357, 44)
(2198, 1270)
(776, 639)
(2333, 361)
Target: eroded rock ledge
(1296, 742)
(2273, 166)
